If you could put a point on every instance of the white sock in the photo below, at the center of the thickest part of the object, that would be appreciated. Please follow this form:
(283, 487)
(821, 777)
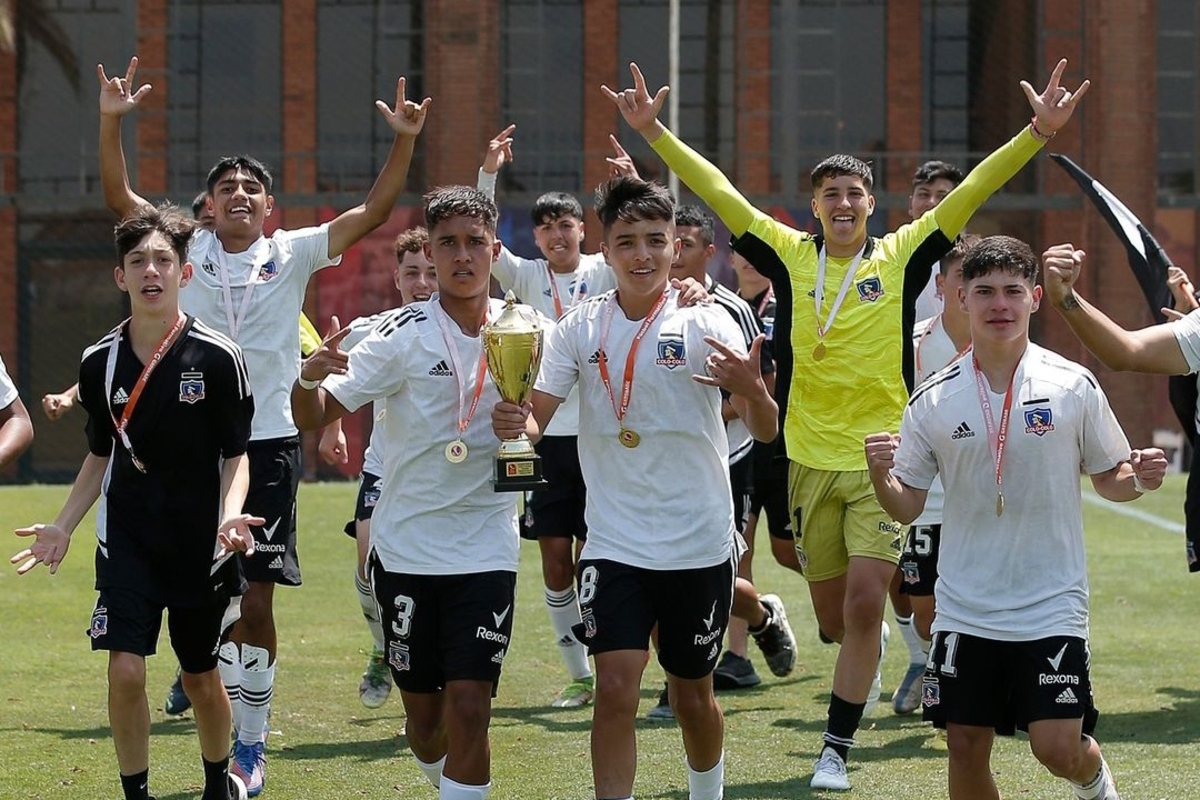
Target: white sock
(229, 666)
(453, 790)
(370, 610)
(1093, 789)
(918, 648)
(258, 684)
(564, 614)
(433, 771)
(707, 785)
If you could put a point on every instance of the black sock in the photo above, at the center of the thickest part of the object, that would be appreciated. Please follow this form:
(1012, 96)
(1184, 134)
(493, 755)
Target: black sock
(765, 623)
(134, 786)
(216, 779)
(843, 722)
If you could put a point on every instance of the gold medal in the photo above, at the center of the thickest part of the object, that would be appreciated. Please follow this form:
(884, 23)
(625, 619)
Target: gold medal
(456, 452)
(999, 504)
(819, 351)
(629, 438)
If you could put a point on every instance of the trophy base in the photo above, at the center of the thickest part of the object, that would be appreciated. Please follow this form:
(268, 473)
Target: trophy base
(519, 474)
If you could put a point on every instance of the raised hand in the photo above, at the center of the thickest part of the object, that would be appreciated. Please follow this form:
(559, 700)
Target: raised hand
(1054, 106)
(621, 164)
(329, 358)
(49, 547)
(499, 150)
(636, 105)
(881, 452)
(735, 372)
(117, 95)
(1061, 265)
(407, 118)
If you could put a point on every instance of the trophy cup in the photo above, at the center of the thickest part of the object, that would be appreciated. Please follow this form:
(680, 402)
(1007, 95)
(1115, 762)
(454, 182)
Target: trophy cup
(513, 343)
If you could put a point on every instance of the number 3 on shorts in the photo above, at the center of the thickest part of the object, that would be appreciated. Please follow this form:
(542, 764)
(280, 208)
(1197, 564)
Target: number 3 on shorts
(587, 584)
(404, 612)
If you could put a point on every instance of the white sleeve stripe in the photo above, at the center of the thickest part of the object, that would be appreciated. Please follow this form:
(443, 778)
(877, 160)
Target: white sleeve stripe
(103, 344)
(743, 315)
(234, 352)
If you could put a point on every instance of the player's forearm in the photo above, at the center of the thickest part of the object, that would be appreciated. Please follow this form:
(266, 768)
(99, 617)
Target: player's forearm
(899, 501)
(114, 175)
(313, 409)
(759, 413)
(83, 494)
(235, 484)
(1117, 484)
(703, 178)
(1151, 350)
(16, 432)
(356, 223)
(997, 169)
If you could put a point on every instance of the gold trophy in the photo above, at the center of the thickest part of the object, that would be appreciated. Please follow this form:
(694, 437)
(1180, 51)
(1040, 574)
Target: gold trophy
(513, 343)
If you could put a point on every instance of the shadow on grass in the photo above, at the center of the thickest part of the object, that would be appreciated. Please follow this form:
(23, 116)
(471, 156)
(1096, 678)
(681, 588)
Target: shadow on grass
(1176, 723)
(179, 726)
(359, 750)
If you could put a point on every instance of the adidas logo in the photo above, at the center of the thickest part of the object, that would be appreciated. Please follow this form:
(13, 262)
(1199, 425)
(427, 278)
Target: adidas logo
(1067, 696)
(594, 358)
(120, 397)
(441, 369)
(276, 563)
(963, 431)
(499, 657)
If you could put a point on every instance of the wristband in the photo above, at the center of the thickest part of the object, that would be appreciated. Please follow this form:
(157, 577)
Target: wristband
(306, 384)
(1037, 132)
(1140, 487)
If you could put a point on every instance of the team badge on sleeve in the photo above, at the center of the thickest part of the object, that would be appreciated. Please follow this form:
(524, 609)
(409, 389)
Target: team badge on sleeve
(1038, 421)
(191, 387)
(671, 353)
(869, 289)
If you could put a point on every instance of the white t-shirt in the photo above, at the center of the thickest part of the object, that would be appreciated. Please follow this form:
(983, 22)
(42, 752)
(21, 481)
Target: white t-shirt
(1187, 334)
(8, 389)
(1022, 575)
(929, 304)
(933, 350)
(279, 268)
(434, 518)
(529, 280)
(359, 328)
(665, 504)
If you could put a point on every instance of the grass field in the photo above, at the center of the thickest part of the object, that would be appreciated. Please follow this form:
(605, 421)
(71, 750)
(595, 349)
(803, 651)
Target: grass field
(54, 741)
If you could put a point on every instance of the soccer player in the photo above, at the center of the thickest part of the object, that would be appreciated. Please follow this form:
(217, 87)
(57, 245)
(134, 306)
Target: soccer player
(845, 367)
(648, 374)
(160, 384)
(251, 288)
(695, 230)
(554, 515)
(937, 342)
(931, 184)
(415, 277)
(443, 544)
(1010, 637)
(16, 429)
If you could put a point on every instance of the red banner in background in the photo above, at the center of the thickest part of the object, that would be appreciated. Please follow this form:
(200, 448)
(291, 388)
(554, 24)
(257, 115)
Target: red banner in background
(363, 284)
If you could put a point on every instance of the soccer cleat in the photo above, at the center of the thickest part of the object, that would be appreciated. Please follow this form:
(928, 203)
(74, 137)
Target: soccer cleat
(237, 789)
(177, 700)
(776, 641)
(376, 682)
(907, 698)
(662, 712)
(830, 772)
(734, 672)
(577, 693)
(249, 764)
(877, 684)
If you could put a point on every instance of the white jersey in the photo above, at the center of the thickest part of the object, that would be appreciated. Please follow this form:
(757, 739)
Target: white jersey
(665, 504)
(1187, 334)
(933, 350)
(275, 272)
(373, 455)
(434, 517)
(1022, 575)
(750, 326)
(8, 389)
(929, 304)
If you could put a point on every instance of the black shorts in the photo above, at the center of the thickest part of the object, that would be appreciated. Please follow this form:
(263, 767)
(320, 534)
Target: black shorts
(125, 621)
(620, 605)
(440, 628)
(739, 483)
(557, 510)
(918, 562)
(770, 491)
(274, 479)
(369, 486)
(1007, 685)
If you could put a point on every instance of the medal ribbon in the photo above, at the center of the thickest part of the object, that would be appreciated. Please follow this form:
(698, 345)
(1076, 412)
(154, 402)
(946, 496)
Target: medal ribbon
(558, 306)
(448, 338)
(235, 320)
(996, 439)
(819, 291)
(627, 382)
(147, 370)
